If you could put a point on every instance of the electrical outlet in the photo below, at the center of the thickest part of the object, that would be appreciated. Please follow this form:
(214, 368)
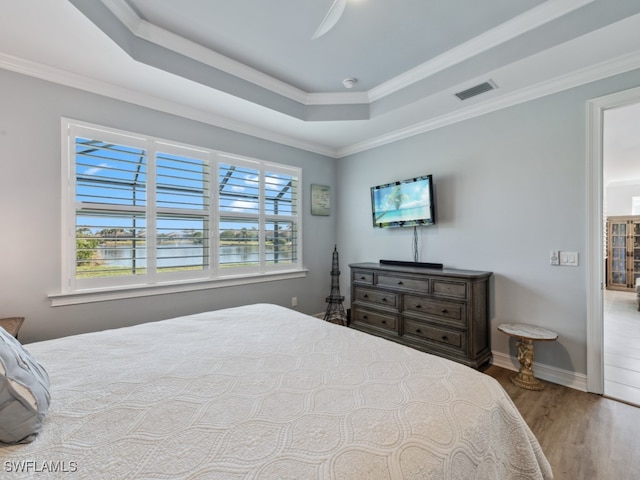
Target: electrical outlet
(294, 301)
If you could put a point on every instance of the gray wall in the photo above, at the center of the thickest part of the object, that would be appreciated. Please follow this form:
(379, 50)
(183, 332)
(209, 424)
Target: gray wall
(30, 166)
(510, 187)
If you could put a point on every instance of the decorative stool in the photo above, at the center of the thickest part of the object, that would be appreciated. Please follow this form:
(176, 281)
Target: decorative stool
(527, 335)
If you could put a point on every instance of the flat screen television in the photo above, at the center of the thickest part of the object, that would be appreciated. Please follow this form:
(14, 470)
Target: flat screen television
(406, 203)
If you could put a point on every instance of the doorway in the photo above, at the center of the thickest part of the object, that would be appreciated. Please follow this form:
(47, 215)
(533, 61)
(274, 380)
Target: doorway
(621, 318)
(613, 319)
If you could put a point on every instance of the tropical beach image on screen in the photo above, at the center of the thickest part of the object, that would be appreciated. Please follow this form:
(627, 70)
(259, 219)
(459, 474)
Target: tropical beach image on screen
(405, 203)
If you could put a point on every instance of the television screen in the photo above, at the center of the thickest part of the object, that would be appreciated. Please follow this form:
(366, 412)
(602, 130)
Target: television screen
(403, 204)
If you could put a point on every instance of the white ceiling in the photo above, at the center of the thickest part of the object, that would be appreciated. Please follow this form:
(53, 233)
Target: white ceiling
(275, 36)
(251, 65)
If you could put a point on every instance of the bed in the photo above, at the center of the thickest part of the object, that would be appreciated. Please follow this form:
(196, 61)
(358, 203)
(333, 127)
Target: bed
(265, 392)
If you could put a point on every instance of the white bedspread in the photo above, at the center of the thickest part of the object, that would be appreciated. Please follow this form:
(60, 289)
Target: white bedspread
(264, 392)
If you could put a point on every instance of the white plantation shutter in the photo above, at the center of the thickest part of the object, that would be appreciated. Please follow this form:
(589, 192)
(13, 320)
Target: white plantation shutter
(258, 211)
(111, 199)
(239, 221)
(143, 210)
(281, 212)
(182, 207)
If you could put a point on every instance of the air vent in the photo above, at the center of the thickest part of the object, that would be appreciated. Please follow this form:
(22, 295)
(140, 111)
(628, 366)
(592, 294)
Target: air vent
(477, 90)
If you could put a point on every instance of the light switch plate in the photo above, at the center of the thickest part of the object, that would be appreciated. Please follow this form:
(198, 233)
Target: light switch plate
(554, 257)
(569, 259)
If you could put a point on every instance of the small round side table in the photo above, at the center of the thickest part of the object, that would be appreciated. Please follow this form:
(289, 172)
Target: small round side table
(527, 334)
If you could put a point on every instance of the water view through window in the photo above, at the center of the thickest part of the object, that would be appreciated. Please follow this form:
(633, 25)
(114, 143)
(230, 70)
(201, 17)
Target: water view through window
(146, 207)
(180, 254)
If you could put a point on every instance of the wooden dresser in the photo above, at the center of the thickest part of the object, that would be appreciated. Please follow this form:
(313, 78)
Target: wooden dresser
(440, 311)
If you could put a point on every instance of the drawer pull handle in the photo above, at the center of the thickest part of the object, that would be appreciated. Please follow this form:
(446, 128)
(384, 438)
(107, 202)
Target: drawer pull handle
(363, 278)
(384, 322)
(418, 330)
(365, 296)
(400, 282)
(444, 310)
(384, 299)
(445, 338)
(365, 317)
(418, 306)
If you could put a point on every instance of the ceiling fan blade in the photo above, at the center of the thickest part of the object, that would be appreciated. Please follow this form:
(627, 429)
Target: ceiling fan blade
(332, 17)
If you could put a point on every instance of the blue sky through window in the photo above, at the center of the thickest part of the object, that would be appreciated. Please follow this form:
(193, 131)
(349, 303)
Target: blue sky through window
(116, 174)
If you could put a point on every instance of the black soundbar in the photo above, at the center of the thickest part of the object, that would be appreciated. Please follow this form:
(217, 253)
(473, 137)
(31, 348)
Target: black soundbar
(402, 263)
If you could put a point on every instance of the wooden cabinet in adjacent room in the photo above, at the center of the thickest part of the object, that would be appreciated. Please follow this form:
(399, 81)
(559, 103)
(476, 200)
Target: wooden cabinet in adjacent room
(623, 252)
(440, 311)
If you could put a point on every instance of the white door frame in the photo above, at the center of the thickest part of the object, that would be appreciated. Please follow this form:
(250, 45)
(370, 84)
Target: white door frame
(595, 232)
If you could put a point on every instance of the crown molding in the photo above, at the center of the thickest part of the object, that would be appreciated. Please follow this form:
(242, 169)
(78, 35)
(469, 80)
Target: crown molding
(183, 46)
(530, 20)
(599, 71)
(62, 77)
(337, 98)
(161, 49)
(615, 66)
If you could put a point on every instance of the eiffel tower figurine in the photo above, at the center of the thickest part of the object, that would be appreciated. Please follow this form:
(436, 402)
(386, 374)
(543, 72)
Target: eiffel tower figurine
(335, 311)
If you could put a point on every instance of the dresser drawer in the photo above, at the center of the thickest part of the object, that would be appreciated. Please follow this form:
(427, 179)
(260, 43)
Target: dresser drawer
(379, 297)
(443, 312)
(403, 283)
(375, 319)
(362, 277)
(449, 289)
(435, 308)
(430, 332)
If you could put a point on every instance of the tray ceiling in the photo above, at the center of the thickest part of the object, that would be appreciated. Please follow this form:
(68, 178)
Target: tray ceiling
(252, 65)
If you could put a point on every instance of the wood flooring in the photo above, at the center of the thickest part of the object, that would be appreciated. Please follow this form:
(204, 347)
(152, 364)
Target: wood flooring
(584, 436)
(622, 346)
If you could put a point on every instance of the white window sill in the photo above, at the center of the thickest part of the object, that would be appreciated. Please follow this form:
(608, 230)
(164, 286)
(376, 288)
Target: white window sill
(90, 296)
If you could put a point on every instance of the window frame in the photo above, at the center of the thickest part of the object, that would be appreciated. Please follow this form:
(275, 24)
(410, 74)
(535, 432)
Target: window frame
(153, 281)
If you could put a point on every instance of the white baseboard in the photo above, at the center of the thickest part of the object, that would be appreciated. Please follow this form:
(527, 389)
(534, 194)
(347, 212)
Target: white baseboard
(577, 381)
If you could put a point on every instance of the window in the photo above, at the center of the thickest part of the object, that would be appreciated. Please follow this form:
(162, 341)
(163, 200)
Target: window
(144, 211)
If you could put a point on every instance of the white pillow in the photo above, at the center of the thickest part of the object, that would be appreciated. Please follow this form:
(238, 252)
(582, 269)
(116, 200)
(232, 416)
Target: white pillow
(24, 392)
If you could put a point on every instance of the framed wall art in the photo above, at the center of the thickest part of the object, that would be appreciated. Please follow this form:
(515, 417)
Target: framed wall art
(320, 200)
